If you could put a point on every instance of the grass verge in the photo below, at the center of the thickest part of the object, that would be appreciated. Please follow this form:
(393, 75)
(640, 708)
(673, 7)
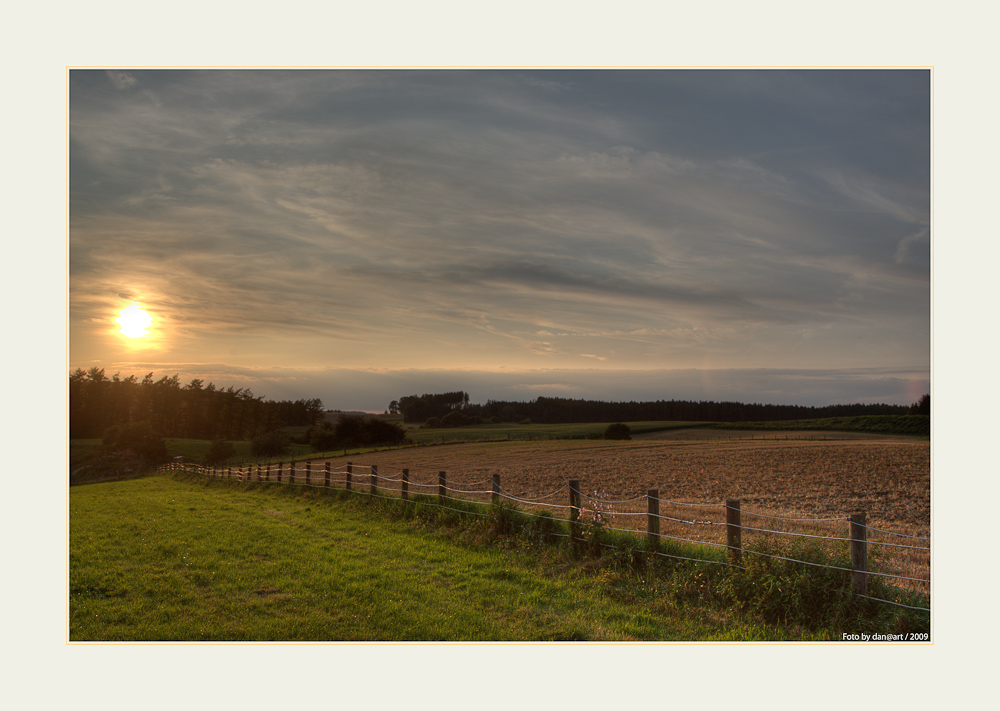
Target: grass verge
(185, 558)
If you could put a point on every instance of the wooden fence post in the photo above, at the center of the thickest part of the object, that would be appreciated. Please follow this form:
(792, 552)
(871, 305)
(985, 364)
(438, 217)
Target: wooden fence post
(859, 553)
(404, 487)
(734, 538)
(291, 472)
(442, 485)
(326, 474)
(258, 472)
(374, 484)
(350, 469)
(496, 489)
(280, 467)
(574, 513)
(267, 472)
(653, 517)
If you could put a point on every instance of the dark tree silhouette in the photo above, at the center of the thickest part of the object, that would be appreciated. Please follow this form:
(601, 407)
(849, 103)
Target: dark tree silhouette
(195, 410)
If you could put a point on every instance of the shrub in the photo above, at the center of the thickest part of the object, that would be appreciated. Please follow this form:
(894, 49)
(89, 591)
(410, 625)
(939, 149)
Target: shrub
(454, 419)
(618, 430)
(432, 423)
(525, 421)
(269, 444)
(353, 431)
(379, 432)
(350, 431)
(136, 439)
(219, 452)
(323, 438)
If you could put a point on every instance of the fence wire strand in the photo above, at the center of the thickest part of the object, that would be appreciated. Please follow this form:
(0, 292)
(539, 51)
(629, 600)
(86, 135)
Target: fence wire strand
(358, 474)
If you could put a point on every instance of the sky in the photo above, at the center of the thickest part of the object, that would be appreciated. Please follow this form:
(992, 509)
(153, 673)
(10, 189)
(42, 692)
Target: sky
(60, 311)
(361, 235)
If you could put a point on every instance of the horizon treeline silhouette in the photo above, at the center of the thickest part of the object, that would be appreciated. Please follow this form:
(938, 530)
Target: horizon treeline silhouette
(197, 411)
(555, 410)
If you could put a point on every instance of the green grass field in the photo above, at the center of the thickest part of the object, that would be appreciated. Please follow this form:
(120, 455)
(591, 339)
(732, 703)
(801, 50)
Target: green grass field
(162, 559)
(189, 558)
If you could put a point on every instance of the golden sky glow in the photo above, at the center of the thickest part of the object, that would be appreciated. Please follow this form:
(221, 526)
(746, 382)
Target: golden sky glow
(134, 321)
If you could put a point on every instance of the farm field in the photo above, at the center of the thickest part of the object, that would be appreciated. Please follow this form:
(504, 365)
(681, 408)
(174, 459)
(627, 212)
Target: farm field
(803, 487)
(888, 477)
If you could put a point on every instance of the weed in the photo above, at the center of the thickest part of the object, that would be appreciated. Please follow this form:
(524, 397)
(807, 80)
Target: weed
(594, 521)
(544, 528)
(504, 519)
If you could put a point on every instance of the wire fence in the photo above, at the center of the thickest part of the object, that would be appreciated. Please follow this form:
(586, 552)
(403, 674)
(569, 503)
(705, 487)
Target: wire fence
(902, 561)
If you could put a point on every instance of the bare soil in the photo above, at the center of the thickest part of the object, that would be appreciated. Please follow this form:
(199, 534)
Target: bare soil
(886, 477)
(806, 487)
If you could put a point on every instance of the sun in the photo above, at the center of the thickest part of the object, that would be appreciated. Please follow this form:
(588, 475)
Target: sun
(134, 321)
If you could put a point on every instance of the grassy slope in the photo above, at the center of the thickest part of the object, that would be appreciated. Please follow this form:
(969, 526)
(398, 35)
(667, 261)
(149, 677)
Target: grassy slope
(158, 559)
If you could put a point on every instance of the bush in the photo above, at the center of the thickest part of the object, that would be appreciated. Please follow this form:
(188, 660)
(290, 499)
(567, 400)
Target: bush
(618, 430)
(136, 439)
(219, 452)
(432, 423)
(270, 444)
(454, 419)
(379, 432)
(323, 438)
(352, 431)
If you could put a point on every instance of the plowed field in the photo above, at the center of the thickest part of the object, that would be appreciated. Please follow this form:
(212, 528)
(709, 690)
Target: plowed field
(888, 478)
(790, 490)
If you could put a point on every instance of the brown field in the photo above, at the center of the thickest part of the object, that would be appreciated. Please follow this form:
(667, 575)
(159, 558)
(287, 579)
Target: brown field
(889, 478)
(775, 479)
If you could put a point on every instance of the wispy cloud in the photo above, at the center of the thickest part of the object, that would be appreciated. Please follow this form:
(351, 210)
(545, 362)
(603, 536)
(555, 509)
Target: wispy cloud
(645, 219)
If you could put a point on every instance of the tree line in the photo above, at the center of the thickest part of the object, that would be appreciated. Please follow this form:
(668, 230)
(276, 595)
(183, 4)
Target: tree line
(98, 403)
(555, 410)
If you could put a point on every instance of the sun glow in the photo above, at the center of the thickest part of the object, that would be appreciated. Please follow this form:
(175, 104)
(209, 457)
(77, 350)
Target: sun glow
(134, 321)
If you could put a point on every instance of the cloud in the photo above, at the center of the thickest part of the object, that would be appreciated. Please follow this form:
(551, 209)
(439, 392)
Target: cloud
(121, 80)
(645, 219)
